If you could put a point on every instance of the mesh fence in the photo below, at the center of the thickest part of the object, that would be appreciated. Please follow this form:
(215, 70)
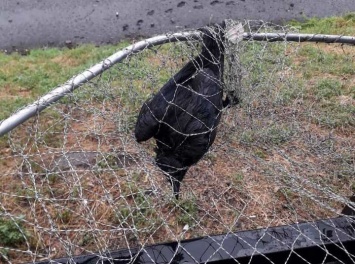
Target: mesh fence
(75, 181)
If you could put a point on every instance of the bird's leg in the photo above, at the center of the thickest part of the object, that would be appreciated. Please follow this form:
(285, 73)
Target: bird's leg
(175, 178)
(173, 169)
(176, 188)
(175, 181)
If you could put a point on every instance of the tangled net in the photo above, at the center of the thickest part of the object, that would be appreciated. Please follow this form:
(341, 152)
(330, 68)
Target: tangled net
(75, 181)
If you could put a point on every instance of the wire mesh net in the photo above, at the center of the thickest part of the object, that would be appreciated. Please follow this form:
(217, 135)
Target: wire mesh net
(75, 181)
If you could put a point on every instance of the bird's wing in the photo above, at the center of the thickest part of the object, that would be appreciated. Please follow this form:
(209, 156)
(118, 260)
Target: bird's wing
(147, 124)
(153, 110)
(208, 99)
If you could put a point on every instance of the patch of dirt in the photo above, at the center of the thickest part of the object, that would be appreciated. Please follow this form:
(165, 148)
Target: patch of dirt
(66, 61)
(346, 100)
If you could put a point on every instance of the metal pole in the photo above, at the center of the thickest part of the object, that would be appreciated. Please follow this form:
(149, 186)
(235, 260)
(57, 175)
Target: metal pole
(53, 96)
(271, 37)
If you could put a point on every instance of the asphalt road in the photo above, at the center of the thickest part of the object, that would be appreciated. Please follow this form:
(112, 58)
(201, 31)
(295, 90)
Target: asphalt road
(38, 23)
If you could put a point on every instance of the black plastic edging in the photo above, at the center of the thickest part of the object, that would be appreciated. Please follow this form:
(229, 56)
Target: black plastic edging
(311, 242)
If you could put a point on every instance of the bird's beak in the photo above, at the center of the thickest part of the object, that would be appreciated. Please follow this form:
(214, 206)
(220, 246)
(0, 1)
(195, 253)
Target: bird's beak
(235, 33)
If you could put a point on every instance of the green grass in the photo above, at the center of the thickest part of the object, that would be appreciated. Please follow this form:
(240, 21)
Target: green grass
(25, 78)
(343, 25)
(328, 88)
(188, 210)
(12, 233)
(321, 59)
(328, 70)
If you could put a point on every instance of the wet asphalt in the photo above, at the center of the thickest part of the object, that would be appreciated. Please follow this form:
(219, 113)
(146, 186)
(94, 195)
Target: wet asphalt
(25, 24)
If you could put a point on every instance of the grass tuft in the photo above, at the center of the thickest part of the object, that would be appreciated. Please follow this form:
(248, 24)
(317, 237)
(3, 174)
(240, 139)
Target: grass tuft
(12, 233)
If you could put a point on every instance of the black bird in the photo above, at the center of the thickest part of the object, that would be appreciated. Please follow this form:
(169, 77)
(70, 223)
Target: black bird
(184, 114)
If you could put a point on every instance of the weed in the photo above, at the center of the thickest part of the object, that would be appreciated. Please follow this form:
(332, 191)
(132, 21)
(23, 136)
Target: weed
(25, 196)
(333, 115)
(87, 239)
(238, 178)
(211, 156)
(187, 213)
(290, 91)
(53, 178)
(12, 233)
(138, 212)
(327, 88)
(34, 167)
(247, 137)
(64, 216)
(276, 134)
(260, 153)
(108, 161)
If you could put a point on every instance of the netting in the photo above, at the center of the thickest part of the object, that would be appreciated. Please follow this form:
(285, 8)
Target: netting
(75, 181)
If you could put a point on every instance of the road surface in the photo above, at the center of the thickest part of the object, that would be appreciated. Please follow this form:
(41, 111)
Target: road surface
(39, 23)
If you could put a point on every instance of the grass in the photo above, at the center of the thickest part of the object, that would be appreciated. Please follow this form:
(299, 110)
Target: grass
(343, 25)
(335, 92)
(25, 78)
(188, 212)
(12, 233)
(297, 118)
(329, 71)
